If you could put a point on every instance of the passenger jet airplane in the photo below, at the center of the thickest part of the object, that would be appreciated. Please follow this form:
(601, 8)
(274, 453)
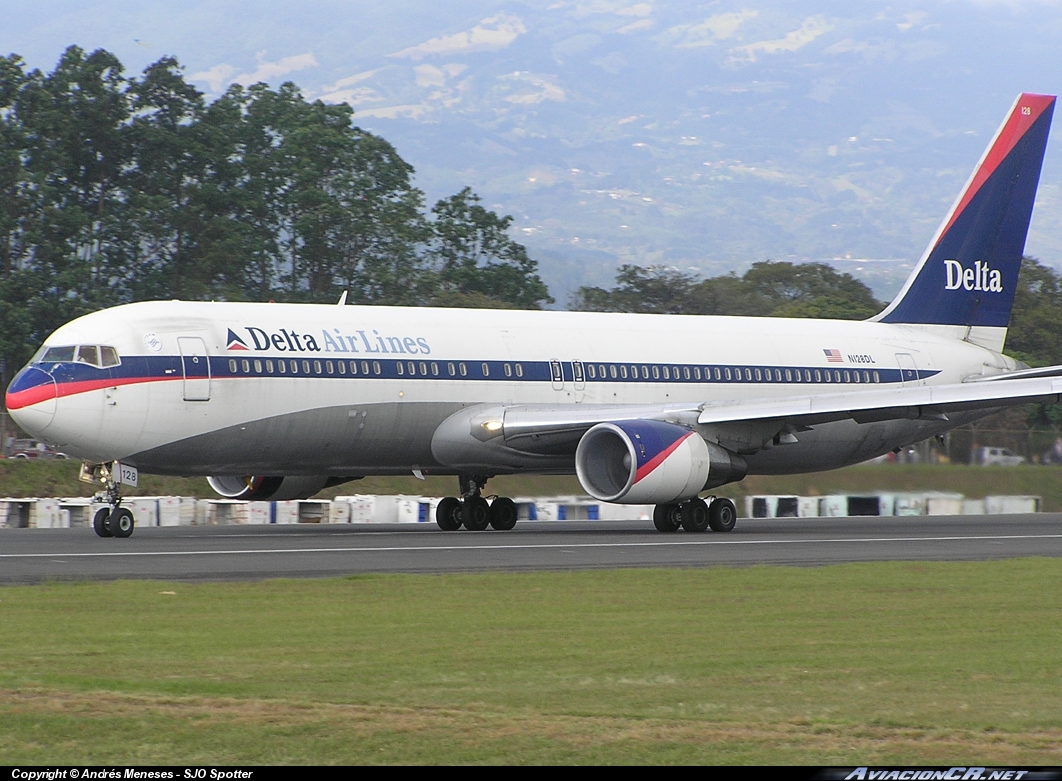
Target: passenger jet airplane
(277, 401)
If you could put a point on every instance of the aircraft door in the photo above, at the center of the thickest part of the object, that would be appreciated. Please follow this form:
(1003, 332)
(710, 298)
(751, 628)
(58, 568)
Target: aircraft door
(195, 363)
(908, 370)
(556, 373)
(579, 380)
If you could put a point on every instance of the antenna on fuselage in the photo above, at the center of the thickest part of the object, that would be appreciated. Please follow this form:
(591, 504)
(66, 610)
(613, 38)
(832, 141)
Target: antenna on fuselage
(342, 299)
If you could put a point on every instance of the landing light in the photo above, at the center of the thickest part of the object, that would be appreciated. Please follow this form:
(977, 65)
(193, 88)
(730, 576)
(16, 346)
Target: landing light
(493, 425)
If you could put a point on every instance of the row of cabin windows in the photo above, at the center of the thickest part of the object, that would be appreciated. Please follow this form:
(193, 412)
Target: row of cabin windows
(728, 374)
(593, 371)
(363, 368)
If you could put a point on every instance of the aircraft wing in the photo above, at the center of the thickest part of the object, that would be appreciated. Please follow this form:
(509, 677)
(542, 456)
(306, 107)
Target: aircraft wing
(539, 428)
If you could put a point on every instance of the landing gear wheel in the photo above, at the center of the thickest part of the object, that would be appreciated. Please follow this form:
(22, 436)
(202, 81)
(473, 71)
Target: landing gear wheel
(475, 513)
(503, 514)
(722, 515)
(448, 514)
(667, 517)
(695, 515)
(99, 523)
(121, 522)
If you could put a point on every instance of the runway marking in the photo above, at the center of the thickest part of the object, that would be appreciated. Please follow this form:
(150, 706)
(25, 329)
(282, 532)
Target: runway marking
(530, 546)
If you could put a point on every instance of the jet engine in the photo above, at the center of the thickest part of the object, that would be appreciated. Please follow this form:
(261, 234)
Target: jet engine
(272, 488)
(651, 462)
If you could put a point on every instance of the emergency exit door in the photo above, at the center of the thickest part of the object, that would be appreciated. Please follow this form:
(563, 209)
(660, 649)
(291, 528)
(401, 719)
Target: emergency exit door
(195, 363)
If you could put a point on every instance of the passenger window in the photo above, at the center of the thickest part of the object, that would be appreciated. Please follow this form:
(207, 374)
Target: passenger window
(727, 373)
(818, 375)
(519, 370)
(697, 372)
(759, 376)
(399, 368)
(656, 372)
(686, 372)
(855, 375)
(485, 368)
(282, 367)
(316, 367)
(612, 371)
(108, 357)
(295, 367)
(462, 368)
(508, 370)
(601, 370)
(330, 367)
(365, 367)
(232, 366)
(246, 366)
(257, 367)
(342, 367)
(866, 376)
(376, 367)
(645, 372)
(591, 371)
(877, 377)
(847, 377)
(623, 372)
(269, 367)
(423, 369)
(788, 375)
(451, 369)
(836, 375)
(748, 376)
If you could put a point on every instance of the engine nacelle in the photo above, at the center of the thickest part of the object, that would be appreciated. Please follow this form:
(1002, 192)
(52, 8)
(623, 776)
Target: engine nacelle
(651, 462)
(276, 489)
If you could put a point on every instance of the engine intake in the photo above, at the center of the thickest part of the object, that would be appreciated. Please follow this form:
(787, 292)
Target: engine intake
(277, 489)
(651, 462)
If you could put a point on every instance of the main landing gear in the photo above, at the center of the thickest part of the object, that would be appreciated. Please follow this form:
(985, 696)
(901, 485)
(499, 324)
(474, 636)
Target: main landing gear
(696, 515)
(473, 511)
(114, 520)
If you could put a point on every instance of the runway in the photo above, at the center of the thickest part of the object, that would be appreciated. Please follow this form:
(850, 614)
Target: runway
(212, 553)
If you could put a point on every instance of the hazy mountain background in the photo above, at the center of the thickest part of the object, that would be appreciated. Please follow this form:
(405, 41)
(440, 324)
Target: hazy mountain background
(703, 136)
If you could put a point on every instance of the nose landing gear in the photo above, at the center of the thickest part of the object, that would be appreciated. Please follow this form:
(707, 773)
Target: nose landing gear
(115, 520)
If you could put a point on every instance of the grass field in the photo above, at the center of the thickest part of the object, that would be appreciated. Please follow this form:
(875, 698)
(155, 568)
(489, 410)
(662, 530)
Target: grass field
(59, 478)
(894, 662)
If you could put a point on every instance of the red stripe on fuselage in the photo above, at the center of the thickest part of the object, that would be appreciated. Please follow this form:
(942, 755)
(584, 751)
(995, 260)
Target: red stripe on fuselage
(52, 390)
(1013, 129)
(658, 459)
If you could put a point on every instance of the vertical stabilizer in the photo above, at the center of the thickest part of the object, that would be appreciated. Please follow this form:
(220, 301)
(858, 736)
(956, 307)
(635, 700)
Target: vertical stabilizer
(968, 273)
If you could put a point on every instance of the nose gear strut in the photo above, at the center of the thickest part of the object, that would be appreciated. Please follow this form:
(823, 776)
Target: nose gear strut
(113, 520)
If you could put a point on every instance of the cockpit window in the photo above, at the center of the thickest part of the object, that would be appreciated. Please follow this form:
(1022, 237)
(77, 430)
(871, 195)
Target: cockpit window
(88, 353)
(91, 354)
(58, 355)
(109, 357)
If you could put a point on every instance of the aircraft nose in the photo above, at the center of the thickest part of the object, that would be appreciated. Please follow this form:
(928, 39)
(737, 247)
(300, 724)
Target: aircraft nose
(31, 400)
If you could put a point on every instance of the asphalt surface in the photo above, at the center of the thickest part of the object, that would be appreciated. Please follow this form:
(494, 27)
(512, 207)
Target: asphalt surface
(190, 553)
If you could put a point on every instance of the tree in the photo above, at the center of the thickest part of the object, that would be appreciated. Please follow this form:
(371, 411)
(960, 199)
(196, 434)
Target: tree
(767, 289)
(478, 260)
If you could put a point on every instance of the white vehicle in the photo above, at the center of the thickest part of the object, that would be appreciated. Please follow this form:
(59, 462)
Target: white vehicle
(277, 401)
(1000, 456)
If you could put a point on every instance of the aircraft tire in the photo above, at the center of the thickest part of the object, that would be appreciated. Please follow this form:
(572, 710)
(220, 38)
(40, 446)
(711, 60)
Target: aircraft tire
(121, 523)
(503, 513)
(448, 514)
(99, 523)
(667, 517)
(695, 515)
(475, 513)
(722, 515)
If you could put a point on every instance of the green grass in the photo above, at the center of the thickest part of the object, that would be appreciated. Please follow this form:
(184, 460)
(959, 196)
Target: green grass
(59, 478)
(893, 662)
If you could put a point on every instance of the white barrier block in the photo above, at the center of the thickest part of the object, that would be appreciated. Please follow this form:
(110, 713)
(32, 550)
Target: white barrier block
(910, 504)
(835, 506)
(145, 510)
(286, 512)
(339, 511)
(973, 506)
(1011, 505)
(944, 505)
(808, 507)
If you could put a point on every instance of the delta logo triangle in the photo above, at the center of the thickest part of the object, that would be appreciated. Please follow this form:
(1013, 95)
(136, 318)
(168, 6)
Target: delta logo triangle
(235, 342)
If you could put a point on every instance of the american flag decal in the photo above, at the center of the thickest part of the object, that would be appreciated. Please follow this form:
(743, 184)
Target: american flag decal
(833, 356)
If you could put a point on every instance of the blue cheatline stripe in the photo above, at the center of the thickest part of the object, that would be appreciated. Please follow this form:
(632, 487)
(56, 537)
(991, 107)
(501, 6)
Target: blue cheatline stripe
(168, 367)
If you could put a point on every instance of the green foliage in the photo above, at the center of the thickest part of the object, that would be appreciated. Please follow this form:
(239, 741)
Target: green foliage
(116, 189)
(767, 289)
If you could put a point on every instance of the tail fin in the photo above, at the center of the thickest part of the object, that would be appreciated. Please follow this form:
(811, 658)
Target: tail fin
(968, 273)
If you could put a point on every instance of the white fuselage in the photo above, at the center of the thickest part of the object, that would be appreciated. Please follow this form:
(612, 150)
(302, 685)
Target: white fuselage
(363, 389)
